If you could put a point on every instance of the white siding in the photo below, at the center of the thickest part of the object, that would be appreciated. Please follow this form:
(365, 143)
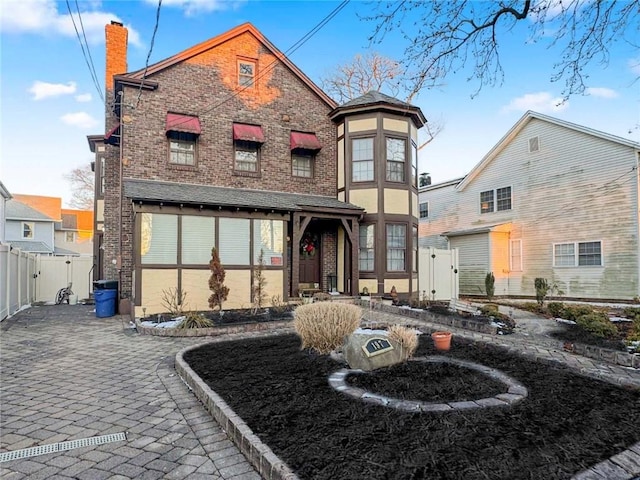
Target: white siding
(577, 187)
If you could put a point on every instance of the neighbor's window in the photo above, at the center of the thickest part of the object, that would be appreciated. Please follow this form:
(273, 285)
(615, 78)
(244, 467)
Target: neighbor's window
(158, 239)
(182, 148)
(396, 248)
(234, 239)
(395, 159)
(198, 239)
(247, 156)
(102, 176)
(580, 254)
(362, 159)
(302, 163)
(515, 255)
(424, 210)
(246, 73)
(495, 200)
(28, 229)
(366, 256)
(70, 237)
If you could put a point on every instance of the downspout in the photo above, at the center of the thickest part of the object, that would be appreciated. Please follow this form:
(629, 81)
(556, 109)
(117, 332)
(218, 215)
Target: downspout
(121, 187)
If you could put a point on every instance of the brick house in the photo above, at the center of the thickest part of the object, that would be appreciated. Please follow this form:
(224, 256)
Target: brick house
(229, 144)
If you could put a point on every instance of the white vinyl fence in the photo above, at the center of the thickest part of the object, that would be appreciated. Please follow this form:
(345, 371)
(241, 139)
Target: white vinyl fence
(55, 273)
(17, 280)
(438, 277)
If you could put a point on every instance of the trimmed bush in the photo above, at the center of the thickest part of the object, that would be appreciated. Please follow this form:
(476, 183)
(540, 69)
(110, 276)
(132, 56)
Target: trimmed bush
(598, 324)
(406, 337)
(555, 308)
(573, 312)
(323, 326)
(195, 320)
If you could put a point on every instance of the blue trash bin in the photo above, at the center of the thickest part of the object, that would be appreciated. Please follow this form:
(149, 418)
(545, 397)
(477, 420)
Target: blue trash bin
(105, 302)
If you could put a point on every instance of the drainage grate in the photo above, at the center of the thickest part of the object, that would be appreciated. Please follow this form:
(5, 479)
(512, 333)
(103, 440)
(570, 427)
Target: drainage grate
(61, 446)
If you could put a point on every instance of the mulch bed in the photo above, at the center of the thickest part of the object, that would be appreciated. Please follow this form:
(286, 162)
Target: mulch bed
(576, 334)
(233, 317)
(568, 422)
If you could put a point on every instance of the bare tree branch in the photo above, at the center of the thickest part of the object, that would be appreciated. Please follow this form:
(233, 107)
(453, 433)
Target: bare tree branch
(82, 187)
(448, 37)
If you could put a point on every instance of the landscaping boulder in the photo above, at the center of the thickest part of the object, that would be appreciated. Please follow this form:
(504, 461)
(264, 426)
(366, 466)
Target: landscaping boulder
(371, 349)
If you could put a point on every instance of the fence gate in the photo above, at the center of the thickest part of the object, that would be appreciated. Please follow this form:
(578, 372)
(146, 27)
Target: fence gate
(438, 277)
(55, 273)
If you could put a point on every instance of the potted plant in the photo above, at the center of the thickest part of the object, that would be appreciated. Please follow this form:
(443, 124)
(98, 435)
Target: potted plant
(442, 340)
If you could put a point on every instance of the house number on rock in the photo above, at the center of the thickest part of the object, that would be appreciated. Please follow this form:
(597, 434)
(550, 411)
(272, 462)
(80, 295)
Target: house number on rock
(376, 346)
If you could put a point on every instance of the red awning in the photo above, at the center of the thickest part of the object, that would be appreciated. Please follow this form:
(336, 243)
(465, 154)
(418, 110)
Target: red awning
(308, 141)
(248, 133)
(112, 137)
(183, 123)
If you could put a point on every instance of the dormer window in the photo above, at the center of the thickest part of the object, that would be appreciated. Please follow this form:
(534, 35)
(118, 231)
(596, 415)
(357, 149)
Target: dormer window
(27, 230)
(246, 73)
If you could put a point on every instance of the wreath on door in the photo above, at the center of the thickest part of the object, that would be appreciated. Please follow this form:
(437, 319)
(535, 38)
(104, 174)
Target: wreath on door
(308, 245)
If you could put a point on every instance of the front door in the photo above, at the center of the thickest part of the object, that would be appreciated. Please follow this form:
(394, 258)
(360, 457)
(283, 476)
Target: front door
(309, 252)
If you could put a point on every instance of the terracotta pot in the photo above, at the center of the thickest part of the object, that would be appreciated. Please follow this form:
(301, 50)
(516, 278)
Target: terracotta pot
(442, 340)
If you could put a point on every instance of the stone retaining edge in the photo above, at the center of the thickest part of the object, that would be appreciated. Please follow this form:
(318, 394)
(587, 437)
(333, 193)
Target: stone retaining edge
(257, 453)
(212, 331)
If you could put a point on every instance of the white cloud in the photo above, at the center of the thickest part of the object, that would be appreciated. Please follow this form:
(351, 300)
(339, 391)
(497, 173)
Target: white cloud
(193, 7)
(84, 97)
(542, 102)
(43, 18)
(42, 90)
(601, 92)
(80, 120)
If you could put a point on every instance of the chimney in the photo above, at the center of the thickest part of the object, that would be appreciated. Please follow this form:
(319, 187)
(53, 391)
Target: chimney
(116, 48)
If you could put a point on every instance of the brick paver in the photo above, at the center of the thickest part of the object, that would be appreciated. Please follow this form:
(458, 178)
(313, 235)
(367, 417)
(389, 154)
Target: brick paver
(67, 375)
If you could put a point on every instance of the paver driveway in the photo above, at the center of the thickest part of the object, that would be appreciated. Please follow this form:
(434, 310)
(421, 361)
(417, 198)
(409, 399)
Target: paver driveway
(67, 375)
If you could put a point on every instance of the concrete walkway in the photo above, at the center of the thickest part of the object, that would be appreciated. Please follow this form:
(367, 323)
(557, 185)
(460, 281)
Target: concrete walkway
(67, 375)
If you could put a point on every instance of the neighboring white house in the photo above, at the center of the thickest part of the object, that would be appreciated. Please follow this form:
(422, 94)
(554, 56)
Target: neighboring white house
(4, 196)
(552, 199)
(28, 229)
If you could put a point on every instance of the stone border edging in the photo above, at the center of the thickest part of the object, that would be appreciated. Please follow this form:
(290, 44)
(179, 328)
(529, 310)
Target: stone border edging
(615, 357)
(516, 391)
(257, 453)
(212, 331)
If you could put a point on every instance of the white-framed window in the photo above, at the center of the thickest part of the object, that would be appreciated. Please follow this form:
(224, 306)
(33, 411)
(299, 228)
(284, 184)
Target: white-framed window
(424, 210)
(366, 253)
(534, 144)
(577, 254)
(495, 200)
(362, 159)
(70, 237)
(396, 248)
(302, 163)
(395, 159)
(246, 73)
(515, 255)
(182, 148)
(28, 229)
(414, 260)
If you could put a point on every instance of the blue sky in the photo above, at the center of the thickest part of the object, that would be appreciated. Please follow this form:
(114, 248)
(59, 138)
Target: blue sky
(48, 102)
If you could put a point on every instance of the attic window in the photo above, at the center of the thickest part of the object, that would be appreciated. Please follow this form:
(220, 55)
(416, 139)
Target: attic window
(246, 73)
(534, 144)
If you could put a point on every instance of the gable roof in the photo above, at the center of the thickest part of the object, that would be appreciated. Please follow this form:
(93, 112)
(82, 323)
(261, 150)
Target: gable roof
(141, 77)
(374, 100)
(49, 206)
(16, 210)
(31, 246)
(170, 192)
(4, 192)
(517, 128)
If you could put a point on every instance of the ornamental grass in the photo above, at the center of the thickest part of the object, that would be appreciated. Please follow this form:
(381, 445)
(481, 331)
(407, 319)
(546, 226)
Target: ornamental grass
(323, 326)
